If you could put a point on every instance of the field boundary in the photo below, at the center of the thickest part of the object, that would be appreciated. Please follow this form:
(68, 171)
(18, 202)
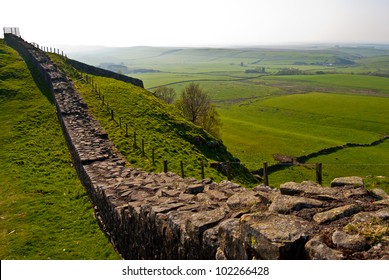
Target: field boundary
(326, 151)
(301, 160)
(206, 80)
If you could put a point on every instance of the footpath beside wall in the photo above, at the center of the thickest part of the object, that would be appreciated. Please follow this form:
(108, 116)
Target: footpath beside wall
(163, 216)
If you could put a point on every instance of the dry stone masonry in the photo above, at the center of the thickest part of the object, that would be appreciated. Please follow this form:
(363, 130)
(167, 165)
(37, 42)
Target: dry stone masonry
(163, 216)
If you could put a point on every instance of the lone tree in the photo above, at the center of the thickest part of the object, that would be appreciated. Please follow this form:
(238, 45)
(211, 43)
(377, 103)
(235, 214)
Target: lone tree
(195, 105)
(166, 94)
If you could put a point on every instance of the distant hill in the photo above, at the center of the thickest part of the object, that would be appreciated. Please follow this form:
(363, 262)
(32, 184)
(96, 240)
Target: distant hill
(136, 56)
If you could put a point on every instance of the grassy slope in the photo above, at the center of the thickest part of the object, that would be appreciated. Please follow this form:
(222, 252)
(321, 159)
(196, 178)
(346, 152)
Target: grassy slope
(159, 125)
(259, 120)
(44, 211)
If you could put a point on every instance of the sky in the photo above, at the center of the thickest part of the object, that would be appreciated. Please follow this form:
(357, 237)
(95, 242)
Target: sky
(125, 23)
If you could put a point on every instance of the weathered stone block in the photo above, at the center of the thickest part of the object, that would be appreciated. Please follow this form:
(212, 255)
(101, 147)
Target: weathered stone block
(346, 241)
(293, 188)
(274, 236)
(336, 213)
(243, 200)
(353, 181)
(310, 188)
(220, 255)
(382, 202)
(195, 189)
(284, 204)
(316, 249)
(177, 221)
(231, 242)
(210, 242)
(355, 192)
(379, 193)
(200, 222)
(217, 195)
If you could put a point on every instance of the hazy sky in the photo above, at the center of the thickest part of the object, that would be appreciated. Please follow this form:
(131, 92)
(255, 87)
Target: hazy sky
(197, 22)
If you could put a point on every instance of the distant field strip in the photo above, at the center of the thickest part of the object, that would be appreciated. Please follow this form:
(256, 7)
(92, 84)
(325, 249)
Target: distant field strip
(205, 80)
(354, 82)
(362, 108)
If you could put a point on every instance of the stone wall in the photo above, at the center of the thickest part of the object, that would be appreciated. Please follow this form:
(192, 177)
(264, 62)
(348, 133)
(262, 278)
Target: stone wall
(104, 73)
(163, 216)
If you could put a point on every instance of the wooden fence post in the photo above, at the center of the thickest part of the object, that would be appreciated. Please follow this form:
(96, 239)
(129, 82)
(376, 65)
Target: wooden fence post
(182, 169)
(319, 177)
(202, 170)
(165, 166)
(265, 174)
(134, 139)
(228, 171)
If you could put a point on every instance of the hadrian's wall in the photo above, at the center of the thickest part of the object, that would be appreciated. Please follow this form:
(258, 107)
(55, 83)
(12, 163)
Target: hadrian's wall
(86, 68)
(162, 216)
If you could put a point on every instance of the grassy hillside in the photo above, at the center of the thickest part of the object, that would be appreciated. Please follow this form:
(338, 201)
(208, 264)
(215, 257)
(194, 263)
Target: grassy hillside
(266, 114)
(160, 126)
(44, 210)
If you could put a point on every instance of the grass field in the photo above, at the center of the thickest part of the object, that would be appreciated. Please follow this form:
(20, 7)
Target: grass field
(265, 114)
(44, 210)
(311, 121)
(342, 83)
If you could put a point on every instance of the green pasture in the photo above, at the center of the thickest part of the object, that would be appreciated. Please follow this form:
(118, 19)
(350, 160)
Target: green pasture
(44, 210)
(300, 124)
(336, 82)
(266, 114)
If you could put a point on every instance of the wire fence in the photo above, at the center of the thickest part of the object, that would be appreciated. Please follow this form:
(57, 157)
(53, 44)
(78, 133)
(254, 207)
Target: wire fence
(11, 30)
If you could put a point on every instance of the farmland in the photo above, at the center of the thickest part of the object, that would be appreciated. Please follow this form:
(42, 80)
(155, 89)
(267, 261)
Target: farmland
(339, 97)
